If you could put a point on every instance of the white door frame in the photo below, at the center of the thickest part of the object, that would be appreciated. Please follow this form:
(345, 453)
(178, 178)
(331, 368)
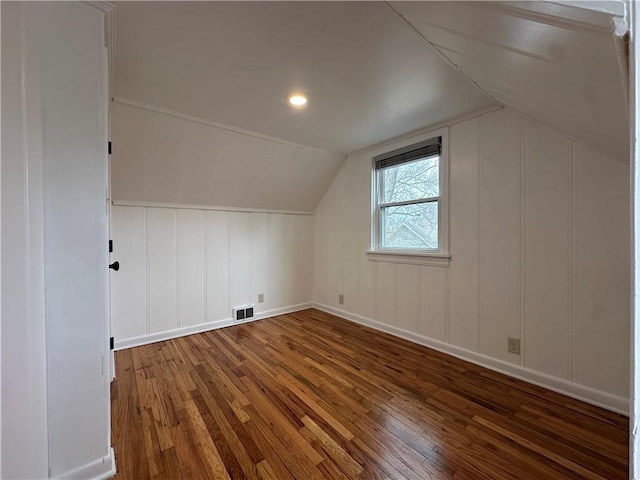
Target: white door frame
(634, 125)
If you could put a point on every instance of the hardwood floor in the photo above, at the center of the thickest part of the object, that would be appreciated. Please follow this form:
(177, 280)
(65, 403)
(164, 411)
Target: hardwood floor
(312, 396)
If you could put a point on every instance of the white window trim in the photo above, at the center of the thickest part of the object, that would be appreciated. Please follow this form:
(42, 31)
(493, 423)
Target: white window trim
(410, 257)
(436, 257)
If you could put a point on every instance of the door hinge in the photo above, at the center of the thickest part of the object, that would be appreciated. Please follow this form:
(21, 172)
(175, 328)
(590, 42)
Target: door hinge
(109, 147)
(110, 246)
(111, 343)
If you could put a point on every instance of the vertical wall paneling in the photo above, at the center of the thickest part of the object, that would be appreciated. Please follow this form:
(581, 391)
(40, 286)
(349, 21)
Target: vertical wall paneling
(634, 114)
(217, 266)
(277, 290)
(349, 260)
(183, 270)
(575, 210)
(306, 258)
(128, 227)
(161, 271)
(539, 251)
(501, 234)
(522, 270)
(147, 320)
(300, 247)
(240, 275)
(366, 285)
(259, 259)
(191, 267)
(335, 263)
(361, 217)
(602, 346)
(321, 232)
(548, 256)
(464, 269)
(447, 306)
(480, 234)
(432, 297)
(292, 245)
(406, 292)
(385, 293)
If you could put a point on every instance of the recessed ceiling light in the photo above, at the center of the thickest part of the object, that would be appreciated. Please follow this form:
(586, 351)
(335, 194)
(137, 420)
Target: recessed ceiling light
(297, 100)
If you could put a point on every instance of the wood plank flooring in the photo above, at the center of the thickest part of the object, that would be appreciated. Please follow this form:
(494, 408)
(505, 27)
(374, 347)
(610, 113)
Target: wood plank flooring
(311, 396)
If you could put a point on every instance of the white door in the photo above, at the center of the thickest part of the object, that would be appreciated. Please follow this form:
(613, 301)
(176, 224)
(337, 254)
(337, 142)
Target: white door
(76, 238)
(113, 265)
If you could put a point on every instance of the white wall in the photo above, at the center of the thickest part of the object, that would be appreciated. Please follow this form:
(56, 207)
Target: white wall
(183, 270)
(539, 243)
(634, 114)
(165, 157)
(23, 414)
(55, 389)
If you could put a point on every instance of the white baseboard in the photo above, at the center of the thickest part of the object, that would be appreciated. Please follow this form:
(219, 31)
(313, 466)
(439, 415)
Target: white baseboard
(205, 327)
(100, 469)
(580, 392)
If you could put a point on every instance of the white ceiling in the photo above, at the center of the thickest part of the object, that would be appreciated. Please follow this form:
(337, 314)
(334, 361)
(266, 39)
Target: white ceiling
(164, 158)
(377, 70)
(559, 64)
(368, 76)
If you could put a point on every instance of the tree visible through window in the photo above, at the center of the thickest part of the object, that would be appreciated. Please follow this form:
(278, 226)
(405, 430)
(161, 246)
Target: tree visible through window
(412, 225)
(408, 189)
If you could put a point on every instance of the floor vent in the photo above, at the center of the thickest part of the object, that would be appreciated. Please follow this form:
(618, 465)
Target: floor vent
(240, 314)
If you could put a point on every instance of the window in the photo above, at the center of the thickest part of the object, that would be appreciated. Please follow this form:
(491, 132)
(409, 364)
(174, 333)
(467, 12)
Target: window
(409, 201)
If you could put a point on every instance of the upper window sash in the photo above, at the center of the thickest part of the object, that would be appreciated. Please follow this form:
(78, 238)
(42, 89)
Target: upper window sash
(425, 149)
(409, 202)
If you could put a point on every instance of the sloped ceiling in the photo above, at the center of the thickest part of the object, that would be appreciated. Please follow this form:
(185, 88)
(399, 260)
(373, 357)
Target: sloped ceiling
(559, 64)
(369, 77)
(163, 158)
(191, 76)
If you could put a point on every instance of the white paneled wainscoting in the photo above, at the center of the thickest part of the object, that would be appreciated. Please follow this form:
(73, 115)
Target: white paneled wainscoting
(539, 245)
(182, 270)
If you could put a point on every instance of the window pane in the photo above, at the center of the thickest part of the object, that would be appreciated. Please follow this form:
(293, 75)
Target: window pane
(410, 226)
(412, 180)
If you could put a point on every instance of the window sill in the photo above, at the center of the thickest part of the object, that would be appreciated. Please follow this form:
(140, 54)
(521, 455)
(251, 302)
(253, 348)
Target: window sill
(412, 258)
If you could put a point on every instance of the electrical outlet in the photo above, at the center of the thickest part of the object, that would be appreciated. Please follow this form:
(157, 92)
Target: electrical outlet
(341, 299)
(513, 345)
(261, 298)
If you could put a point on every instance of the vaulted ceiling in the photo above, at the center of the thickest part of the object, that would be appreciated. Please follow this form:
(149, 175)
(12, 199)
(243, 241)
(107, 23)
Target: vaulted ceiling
(562, 65)
(201, 114)
(370, 68)
(368, 77)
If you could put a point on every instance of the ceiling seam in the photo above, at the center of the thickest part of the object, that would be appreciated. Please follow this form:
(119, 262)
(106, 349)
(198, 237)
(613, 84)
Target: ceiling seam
(428, 128)
(230, 128)
(435, 49)
(613, 156)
